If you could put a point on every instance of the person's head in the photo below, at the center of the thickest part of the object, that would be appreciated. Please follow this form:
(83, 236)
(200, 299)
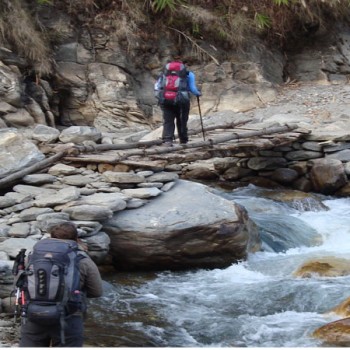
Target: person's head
(65, 230)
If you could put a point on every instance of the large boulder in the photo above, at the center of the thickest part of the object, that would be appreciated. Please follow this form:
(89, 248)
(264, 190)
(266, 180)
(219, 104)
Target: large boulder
(16, 152)
(189, 227)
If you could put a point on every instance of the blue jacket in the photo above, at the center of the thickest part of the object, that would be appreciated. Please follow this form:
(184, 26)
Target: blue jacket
(191, 84)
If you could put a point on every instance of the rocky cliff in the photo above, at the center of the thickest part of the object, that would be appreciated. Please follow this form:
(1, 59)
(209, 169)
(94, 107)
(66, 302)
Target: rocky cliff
(99, 80)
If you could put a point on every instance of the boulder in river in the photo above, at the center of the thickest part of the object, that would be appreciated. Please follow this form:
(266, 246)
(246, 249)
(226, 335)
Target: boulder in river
(191, 227)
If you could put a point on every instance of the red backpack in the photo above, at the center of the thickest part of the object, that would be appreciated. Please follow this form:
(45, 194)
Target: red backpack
(174, 84)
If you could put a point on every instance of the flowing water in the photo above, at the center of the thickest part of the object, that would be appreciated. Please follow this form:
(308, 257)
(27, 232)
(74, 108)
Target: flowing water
(255, 303)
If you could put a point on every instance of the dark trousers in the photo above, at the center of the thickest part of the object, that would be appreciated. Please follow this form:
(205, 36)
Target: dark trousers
(180, 114)
(34, 335)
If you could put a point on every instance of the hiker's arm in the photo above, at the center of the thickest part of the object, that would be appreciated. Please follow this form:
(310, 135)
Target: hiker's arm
(90, 278)
(158, 87)
(157, 84)
(192, 84)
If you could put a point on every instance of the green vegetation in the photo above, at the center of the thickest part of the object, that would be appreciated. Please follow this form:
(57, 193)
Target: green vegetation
(221, 23)
(160, 5)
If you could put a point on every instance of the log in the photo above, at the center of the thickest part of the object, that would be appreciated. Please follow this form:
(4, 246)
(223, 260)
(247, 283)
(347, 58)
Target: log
(162, 150)
(12, 178)
(145, 144)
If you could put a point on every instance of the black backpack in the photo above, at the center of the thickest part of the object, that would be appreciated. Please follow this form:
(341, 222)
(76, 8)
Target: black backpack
(173, 84)
(53, 282)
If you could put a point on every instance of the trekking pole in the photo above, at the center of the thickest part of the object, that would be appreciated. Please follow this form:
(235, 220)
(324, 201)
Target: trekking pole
(18, 270)
(200, 116)
(18, 295)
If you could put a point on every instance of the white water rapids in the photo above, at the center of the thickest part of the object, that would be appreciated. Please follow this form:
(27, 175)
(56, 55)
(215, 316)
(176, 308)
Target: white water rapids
(256, 303)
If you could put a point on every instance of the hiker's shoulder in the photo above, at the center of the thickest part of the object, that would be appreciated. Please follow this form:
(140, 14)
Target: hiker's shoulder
(86, 263)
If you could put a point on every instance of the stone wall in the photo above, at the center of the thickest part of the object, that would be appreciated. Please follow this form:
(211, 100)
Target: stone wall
(305, 165)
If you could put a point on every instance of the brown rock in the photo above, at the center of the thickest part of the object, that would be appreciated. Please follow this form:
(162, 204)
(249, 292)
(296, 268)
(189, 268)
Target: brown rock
(325, 267)
(201, 173)
(343, 309)
(335, 333)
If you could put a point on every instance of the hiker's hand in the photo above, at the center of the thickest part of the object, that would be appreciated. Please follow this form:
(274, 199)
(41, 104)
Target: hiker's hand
(199, 94)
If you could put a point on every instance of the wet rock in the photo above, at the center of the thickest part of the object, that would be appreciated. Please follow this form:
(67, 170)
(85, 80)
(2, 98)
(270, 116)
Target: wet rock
(296, 199)
(336, 333)
(327, 175)
(324, 267)
(342, 309)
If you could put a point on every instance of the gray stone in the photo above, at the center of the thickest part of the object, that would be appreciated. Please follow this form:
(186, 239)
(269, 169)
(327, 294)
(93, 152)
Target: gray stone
(63, 170)
(162, 177)
(39, 179)
(99, 241)
(343, 155)
(4, 230)
(89, 212)
(258, 163)
(45, 134)
(19, 197)
(312, 146)
(19, 230)
(18, 119)
(13, 245)
(142, 193)
(150, 184)
(134, 203)
(6, 202)
(284, 175)
(31, 214)
(77, 180)
(78, 134)
(88, 228)
(168, 186)
(113, 201)
(16, 152)
(34, 190)
(62, 196)
(123, 178)
(303, 155)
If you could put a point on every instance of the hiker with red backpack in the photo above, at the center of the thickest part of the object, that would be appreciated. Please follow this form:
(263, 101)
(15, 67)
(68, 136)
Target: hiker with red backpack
(53, 287)
(172, 89)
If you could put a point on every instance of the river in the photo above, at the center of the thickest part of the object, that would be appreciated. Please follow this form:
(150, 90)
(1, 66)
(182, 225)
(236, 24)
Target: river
(255, 303)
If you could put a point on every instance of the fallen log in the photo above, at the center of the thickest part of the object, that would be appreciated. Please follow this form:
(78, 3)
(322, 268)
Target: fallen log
(12, 178)
(113, 159)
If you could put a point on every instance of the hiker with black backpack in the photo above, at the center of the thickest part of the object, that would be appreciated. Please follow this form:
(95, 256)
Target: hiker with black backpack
(53, 286)
(172, 89)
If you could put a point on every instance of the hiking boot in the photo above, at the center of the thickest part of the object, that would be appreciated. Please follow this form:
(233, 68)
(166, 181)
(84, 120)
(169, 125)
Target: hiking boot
(168, 144)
